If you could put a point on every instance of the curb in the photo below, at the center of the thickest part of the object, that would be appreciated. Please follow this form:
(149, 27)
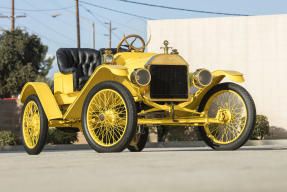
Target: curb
(172, 144)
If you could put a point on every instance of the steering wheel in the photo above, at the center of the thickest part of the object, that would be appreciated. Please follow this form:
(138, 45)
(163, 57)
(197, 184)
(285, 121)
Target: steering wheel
(130, 45)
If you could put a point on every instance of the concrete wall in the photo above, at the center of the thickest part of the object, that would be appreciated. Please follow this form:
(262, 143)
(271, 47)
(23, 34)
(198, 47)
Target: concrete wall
(255, 46)
(10, 111)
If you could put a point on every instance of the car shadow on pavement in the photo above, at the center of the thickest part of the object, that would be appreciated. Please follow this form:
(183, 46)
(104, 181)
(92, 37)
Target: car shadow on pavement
(261, 148)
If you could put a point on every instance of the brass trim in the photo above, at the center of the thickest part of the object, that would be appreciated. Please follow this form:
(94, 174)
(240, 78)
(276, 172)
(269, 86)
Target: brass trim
(195, 78)
(171, 99)
(134, 79)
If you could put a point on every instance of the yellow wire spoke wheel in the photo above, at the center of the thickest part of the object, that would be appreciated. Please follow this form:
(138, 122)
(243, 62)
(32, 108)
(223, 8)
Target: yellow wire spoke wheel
(108, 117)
(34, 125)
(233, 105)
(31, 124)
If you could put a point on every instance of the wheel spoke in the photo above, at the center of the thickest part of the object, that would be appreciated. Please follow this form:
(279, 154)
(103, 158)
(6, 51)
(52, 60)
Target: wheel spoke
(232, 102)
(107, 117)
(31, 124)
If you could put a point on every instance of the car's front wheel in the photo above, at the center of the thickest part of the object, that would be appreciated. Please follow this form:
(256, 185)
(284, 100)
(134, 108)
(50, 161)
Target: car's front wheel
(109, 117)
(237, 107)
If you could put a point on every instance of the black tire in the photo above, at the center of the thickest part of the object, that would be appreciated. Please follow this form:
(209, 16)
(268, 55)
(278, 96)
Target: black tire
(43, 127)
(141, 143)
(251, 116)
(131, 117)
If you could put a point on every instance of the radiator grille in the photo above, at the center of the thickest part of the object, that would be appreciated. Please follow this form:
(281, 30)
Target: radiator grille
(168, 82)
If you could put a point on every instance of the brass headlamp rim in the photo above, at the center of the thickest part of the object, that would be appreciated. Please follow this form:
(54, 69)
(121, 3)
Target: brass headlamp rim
(135, 73)
(195, 78)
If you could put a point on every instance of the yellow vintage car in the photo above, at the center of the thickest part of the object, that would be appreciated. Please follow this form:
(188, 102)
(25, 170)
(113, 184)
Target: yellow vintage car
(114, 95)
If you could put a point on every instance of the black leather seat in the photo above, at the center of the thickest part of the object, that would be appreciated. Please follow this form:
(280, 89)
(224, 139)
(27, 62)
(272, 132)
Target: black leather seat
(80, 61)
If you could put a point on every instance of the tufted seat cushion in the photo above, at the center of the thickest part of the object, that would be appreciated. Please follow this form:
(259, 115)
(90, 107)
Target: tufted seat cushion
(80, 61)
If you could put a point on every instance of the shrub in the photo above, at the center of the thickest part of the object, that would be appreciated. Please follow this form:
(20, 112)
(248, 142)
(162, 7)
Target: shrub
(56, 136)
(7, 138)
(261, 128)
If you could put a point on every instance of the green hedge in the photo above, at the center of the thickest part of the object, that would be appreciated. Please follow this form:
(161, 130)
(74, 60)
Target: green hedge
(56, 136)
(7, 138)
(261, 128)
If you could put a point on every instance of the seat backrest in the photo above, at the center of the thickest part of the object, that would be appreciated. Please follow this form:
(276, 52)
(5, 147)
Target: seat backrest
(82, 60)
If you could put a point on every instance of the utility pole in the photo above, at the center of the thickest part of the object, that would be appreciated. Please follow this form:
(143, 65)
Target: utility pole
(12, 17)
(93, 35)
(78, 24)
(110, 34)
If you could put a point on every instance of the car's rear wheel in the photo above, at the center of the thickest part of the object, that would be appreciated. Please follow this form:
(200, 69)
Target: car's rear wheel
(34, 125)
(139, 140)
(238, 108)
(109, 117)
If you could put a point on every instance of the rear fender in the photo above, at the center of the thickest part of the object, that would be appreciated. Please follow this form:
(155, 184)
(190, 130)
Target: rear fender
(45, 96)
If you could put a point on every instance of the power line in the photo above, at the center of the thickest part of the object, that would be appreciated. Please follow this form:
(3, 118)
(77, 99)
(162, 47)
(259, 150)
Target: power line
(182, 9)
(48, 26)
(39, 10)
(117, 11)
(51, 28)
(43, 36)
(105, 18)
(98, 20)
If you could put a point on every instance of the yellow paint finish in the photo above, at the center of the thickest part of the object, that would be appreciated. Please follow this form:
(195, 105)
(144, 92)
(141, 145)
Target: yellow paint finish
(46, 97)
(217, 78)
(179, 121)
(117, 70)
(102, 73)
(133, 60)
(232, 75)
(61, 123)
(63, 83)
(64, 99)
(167, 59)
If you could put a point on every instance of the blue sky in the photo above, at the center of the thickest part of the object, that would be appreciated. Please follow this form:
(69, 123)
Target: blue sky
(61, 32)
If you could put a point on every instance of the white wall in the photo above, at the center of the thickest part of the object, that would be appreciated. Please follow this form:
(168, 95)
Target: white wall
(254, 45)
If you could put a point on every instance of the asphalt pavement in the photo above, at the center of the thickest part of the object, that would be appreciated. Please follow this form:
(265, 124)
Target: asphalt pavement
(252, 168)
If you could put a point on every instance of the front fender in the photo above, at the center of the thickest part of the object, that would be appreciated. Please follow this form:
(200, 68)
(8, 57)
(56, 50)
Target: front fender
(102, 73)
(218, 76)
(45, 96)
(232, 75)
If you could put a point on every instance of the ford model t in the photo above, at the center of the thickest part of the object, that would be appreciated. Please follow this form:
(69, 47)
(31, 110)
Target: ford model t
(114, 95)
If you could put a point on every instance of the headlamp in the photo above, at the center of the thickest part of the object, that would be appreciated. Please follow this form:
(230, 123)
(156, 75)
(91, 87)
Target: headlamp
(141, 77)
(202, 78)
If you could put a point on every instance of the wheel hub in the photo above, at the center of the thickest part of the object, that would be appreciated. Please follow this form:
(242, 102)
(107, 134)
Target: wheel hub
(102, 117)
(108, 117)
(224, 115)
